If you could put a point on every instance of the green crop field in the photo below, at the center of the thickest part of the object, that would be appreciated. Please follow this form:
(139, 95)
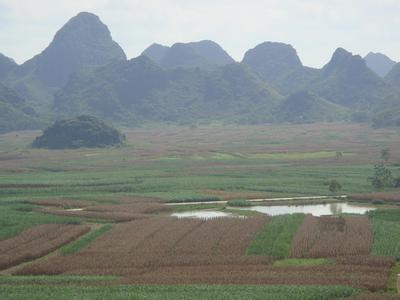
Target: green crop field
(276, 238)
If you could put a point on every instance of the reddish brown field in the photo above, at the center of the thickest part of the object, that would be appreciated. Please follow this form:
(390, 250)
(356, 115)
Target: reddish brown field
(385, 196)
(164, 250)
(137, 246)
(130, 209)
(332, 237)
(37, 242)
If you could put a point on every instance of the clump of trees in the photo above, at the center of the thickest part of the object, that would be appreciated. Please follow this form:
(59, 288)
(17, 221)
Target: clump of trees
(334, 186)
(383, 176)
(83, 131)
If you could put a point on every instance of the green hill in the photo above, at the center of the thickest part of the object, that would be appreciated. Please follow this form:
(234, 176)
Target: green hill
(84, 41)
(15, 114)
(203, 54)
(305, 107)
(280, 66)
(138, 90)
(379, 63)
(393, 77)
(6, 65)
(83, 131)
(346, 80)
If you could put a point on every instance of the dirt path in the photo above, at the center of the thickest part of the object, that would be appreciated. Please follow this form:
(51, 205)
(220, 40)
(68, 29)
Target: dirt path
(265, 200)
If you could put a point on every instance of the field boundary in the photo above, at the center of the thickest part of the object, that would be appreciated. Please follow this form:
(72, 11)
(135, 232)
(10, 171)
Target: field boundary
(340, 197)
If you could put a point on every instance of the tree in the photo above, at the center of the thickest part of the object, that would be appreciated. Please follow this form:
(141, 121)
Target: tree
(334, 186)
(396, 182)
(339, 155)
(382, 176)
(385, 154)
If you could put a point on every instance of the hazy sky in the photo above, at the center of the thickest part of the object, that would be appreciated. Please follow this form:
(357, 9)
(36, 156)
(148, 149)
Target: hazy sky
(314, 27)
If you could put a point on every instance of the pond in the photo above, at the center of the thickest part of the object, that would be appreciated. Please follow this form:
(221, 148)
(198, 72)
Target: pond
(314, 209)
(202, 214)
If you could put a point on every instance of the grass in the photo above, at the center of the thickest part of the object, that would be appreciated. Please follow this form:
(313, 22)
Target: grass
(202, 206)
(59, 279)
(194, 199)
(275, 292)
(392, 285)
(80, 244)
(386, 226)
(302, 262)
(16, 217)
(276, 238)
(239, 203)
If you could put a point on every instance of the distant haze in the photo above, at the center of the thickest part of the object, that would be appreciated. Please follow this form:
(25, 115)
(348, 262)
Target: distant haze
(314, 28)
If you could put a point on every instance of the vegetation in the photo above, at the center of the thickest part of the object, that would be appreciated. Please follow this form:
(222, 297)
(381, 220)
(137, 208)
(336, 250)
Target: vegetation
(127, 185)
(392, 285)
(15, 113)
(85, 241)
(83, 131)
(334, 186)
(386, 226)
(239, 203)
(276, 238)
(37, 242)
(382, 177)
(275, 292)
(331, 236)
(302, 262)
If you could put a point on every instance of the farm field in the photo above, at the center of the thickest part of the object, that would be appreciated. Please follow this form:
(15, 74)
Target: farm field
(95, 221)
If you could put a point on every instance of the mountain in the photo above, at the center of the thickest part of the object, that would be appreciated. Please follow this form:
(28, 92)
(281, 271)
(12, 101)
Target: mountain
(203, 54)
(346, 80)
(82, 131)
(15, 114)
(393, 77)
(379, 63)
(84, 41)
(279, 65)
(156, 52)
(6, 65)
(305, 107)
(138, 90)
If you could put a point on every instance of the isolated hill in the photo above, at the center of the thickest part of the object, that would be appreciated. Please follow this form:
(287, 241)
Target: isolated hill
(6, 65)
(305, 107)
(393, 77)
(379, 63)
(139, 90)
(15, 114)
(279, 65)
(346, 80)
(84, 41)
(202, 54)
(83, 131)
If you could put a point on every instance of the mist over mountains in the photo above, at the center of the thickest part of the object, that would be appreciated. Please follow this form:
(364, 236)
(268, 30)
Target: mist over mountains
(84, 71)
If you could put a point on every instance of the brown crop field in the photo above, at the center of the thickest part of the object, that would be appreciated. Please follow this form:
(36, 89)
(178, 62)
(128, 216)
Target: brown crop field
(160, 241)
(372, 278)
(385, 196)
(130, 209)
(37, 242)
(165, 250)
(332, 237)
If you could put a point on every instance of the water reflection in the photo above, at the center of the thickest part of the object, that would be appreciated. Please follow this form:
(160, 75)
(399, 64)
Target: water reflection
(314, 209)
(202, 214)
